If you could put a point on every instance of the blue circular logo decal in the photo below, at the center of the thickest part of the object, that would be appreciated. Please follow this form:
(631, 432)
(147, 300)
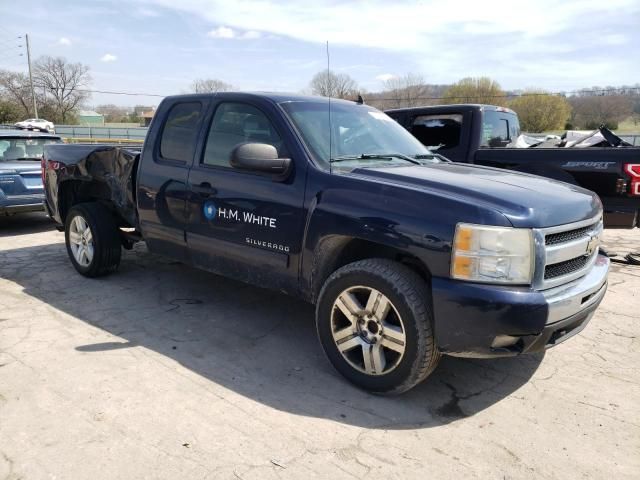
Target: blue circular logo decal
(209, 210)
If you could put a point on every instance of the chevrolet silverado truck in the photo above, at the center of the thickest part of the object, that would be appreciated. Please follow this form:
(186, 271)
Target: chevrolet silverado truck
(483, 135)
(21, 188)
(405, 256)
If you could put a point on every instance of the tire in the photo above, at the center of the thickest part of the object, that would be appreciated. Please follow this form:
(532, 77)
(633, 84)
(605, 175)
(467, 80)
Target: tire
(354, 287)
(102, 247)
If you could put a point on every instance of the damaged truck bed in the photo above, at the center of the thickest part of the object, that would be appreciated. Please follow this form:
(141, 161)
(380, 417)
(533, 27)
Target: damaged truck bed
(93, 172)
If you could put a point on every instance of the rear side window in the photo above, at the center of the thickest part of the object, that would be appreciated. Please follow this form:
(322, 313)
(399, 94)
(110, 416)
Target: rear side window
(180, 132)
(499, 128)
(438, 132)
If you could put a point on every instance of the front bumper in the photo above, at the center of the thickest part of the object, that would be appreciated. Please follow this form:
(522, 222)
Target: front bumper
(475, 320)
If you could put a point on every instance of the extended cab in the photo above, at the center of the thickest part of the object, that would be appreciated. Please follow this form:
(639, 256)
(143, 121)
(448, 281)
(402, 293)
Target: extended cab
(484, 135)
(405, 256)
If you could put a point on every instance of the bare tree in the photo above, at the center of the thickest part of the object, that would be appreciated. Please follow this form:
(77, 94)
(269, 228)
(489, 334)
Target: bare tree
(592, 111)
(63, 82)
(210, 85)
(337, 85)
(15, 87)
(409, 90)
(112, 113)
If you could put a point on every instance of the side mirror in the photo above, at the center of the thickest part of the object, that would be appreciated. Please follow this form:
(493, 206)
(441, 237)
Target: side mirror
(259, 157)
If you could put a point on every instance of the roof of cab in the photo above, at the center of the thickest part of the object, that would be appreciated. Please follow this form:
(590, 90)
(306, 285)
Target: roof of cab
(276, 97)
(455, 107)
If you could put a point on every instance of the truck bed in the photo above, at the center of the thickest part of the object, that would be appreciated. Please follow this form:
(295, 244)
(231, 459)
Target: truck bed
(104, 172)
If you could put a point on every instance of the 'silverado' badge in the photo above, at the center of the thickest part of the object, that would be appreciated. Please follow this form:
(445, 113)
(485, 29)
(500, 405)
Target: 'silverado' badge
(209, 210)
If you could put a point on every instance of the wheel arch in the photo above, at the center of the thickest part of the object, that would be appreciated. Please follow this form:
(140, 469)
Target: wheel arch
(336, 251)
(73, 191)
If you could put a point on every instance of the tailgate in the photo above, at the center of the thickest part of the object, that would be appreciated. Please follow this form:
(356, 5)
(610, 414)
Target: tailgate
(26, 182)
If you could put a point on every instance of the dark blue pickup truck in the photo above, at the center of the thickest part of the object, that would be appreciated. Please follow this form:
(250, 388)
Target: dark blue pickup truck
(406, 256)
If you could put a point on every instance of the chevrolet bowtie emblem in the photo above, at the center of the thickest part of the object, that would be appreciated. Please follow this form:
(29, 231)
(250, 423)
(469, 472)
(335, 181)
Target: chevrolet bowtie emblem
(592, 246)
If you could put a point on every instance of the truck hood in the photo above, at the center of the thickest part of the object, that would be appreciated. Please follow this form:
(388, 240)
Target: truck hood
(526, 200)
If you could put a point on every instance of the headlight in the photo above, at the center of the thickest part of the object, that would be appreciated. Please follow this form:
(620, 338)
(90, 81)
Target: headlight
(492, 254)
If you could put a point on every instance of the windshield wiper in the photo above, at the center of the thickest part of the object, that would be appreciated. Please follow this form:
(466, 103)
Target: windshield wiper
(436, 157)
(374, 156)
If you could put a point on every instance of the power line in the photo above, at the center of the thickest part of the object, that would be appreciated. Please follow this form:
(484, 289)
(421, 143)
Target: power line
(11, 42)
(121, 93)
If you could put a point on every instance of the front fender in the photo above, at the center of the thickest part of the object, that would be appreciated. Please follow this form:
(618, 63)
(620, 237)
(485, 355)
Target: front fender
(341, 208)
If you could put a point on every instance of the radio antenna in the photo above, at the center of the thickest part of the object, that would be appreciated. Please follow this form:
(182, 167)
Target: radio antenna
(330, 92)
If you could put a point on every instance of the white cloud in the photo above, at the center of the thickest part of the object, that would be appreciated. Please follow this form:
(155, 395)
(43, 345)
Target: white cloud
(222, 32)
(421, 23)
(64, 41)
(385, 77)
(108, 57)
(251, 35)
(615, 39)
(147, 12)
(533, 44)
(228, 33)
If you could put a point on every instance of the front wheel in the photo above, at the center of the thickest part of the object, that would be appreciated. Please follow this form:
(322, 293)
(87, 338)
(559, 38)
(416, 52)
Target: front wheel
(374, 322)
(92, 239)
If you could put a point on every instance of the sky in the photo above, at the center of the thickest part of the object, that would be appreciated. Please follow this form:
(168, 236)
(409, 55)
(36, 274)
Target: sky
(161, 46)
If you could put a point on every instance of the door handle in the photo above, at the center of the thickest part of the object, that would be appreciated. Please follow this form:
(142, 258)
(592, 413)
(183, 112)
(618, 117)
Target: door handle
(204, 189)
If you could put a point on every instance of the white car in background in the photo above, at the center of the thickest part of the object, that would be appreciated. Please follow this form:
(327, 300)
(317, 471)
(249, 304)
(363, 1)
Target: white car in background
(36, 124)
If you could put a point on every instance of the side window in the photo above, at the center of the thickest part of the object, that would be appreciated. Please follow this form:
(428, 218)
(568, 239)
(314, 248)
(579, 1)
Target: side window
(438, 132)
(235, 123)
(495, 130)
(4, 145)
(180, 132)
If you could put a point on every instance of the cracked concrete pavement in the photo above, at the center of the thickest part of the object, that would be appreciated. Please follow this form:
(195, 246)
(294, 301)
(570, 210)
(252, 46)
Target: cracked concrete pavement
(162, 371)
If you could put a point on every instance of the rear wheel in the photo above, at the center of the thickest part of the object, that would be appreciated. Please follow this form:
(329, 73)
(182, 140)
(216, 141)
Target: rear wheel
(92, 239)
(374, 323)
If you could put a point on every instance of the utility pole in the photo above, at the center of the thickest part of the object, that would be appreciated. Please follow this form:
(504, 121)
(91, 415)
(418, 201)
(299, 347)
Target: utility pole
(33, 92)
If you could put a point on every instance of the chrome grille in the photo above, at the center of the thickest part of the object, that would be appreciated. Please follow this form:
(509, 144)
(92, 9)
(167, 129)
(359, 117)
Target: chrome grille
(567, 252)
(565, 268)
(563, 237)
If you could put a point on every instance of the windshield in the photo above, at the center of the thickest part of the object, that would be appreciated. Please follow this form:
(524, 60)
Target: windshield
(357, 131)
(23, 148)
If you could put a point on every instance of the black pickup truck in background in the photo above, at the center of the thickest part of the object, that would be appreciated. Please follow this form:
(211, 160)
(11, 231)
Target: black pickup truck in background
(484, 135)
(405, 256)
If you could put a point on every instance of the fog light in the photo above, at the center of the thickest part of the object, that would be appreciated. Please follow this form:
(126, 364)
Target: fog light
(504, 341)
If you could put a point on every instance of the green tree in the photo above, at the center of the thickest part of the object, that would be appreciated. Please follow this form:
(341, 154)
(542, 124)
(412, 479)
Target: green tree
(476, 90)
(9, 111)
(540, 112)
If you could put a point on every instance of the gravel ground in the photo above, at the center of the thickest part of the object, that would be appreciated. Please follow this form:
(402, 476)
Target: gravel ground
(162, 371)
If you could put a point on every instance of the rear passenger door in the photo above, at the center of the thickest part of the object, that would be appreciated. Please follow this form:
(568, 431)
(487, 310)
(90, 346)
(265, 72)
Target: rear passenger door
(243, 224)
(162, 178)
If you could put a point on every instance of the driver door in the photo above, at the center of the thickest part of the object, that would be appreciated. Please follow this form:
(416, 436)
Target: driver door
(243, 224)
